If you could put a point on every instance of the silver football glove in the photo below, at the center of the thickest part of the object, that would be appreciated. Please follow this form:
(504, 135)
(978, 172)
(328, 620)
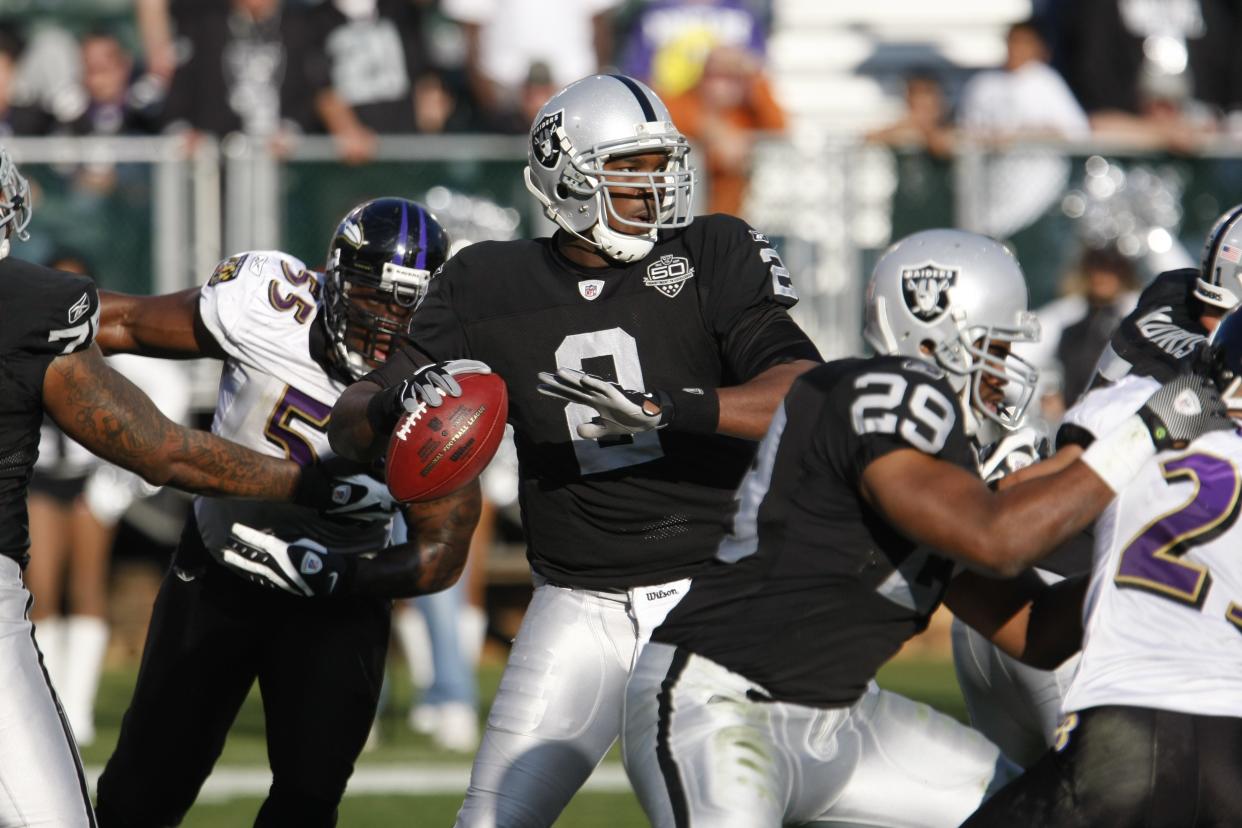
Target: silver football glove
(432, 383)
(1016, 450)
(302, 567)
(622, 412)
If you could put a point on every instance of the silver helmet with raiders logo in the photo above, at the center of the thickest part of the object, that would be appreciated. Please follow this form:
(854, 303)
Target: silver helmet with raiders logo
(14, 203)
(960, 300)
(580, 129)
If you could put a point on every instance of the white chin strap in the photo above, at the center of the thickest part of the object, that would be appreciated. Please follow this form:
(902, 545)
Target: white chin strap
(621, 247)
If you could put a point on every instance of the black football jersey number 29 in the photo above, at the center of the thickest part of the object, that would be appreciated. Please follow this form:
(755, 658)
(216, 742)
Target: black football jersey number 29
(814, 590)
(706, 308)
(43, 313)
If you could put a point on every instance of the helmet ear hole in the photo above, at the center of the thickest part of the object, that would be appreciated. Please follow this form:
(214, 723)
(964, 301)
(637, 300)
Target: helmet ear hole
(928, 347)
(562, 192)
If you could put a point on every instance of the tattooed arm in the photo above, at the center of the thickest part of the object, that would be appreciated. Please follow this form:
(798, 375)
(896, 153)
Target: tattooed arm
(435, 555)
(109, 415)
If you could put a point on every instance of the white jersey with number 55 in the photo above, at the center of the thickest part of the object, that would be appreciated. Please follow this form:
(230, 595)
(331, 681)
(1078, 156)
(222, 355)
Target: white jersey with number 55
(275, 396)
(1163, 617)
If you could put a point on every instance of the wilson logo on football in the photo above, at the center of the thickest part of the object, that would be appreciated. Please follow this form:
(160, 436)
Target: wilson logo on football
(668, 274)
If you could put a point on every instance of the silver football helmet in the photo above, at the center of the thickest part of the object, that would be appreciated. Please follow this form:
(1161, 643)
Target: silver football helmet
(953, 297)
(582, 127)
(1220, 269)
(14, 203)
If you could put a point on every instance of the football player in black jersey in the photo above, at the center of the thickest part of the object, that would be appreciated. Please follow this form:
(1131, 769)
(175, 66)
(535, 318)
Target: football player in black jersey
(49, 363)
(671, 344)
(291, 340)
(1014, 705)
(755, 704)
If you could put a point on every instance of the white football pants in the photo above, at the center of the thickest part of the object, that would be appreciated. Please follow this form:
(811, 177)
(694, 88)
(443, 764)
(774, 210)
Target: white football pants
(41, 778)
(558, 709)
(702, 751)
(1016, 706)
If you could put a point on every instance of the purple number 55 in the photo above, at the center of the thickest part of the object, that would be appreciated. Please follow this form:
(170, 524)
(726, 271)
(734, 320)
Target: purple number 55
(1153, 560)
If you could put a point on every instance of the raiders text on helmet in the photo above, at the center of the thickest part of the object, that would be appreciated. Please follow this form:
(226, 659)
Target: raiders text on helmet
(14, 202)
(1220, 269)
(380, 262)
(950, 296)
(581, 128)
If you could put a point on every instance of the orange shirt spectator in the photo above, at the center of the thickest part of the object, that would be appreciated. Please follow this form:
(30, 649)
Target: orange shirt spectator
(722, 113)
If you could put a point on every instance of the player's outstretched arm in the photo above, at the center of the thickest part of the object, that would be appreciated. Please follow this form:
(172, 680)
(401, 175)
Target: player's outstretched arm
(109, 415)
(350, 431)
(746, 410)
(168, 326)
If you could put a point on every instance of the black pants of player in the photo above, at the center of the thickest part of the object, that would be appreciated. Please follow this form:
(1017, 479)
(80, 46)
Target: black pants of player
(1129, 767)
(319, 664)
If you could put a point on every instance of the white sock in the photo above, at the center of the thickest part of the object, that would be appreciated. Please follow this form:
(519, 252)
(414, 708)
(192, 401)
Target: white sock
(415, 646)
(87, 640)
(50, 636)
(472, 630)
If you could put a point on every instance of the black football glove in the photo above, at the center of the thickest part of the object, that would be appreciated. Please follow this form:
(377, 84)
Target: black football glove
(621, 410)
(336, 488)
(302, 567)
(1185, 407)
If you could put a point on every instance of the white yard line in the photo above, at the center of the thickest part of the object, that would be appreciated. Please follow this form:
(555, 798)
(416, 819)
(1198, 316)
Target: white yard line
(230, 782)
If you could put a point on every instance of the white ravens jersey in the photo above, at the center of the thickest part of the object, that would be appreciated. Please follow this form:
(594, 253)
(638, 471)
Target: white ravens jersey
(274, 397)
(1163, 616)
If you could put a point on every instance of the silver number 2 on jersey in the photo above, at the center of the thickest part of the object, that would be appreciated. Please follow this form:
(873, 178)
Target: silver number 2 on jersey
(925, 423)
(592, 352)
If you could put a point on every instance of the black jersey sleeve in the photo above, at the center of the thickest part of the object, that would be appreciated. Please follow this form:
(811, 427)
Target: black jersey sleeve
(749, 291)
(63, 314)
(436, 334)
(886, 404)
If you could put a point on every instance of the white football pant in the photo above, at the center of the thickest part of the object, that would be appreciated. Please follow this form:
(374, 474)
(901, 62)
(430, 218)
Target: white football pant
(41, 778)
(1016, 706)
(704, 750)
(558, 709)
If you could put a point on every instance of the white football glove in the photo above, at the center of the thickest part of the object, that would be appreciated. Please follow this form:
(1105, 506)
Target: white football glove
(303, 567)
(621, 411)
(1016, 450)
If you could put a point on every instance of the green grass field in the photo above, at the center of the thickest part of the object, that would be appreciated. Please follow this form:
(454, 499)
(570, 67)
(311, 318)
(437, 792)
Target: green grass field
(931, 681)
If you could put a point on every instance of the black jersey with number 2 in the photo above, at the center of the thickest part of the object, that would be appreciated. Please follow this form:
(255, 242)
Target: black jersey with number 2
(706, 308)
(43, 313)
(813, 590)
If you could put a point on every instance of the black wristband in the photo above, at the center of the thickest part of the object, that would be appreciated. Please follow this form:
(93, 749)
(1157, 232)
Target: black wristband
(345, 566)
(695, 412)
(383, 410)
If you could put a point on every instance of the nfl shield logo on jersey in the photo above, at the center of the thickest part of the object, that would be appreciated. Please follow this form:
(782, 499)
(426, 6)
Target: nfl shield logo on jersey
(668, 274)
(591, 288)
(544, 141)
(926, 290)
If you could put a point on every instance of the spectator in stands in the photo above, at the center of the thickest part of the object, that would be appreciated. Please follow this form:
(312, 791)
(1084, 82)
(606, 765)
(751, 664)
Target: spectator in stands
(361, 59)
(1198, 37)
(1169, 117)
(504, 38)
(1025, 99)
(14, 118)
(926, 121)
(669, 40)
(233, 72)
(109, 108)
(1098, 293)
(722, 113)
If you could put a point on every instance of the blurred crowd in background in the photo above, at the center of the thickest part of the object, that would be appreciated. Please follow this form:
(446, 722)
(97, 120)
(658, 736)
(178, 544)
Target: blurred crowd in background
(1158, 75)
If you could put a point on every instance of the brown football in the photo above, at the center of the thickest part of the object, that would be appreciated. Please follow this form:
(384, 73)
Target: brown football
(434, 451)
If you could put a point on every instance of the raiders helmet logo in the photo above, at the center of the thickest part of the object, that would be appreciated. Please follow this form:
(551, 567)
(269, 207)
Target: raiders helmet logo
(668, 273)
(543, 141)
(926, 290)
